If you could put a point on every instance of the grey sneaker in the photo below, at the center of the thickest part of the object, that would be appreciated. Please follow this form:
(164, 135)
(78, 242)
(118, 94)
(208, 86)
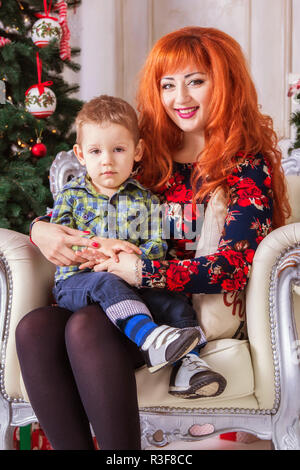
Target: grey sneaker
(193, 378)
(166, 345)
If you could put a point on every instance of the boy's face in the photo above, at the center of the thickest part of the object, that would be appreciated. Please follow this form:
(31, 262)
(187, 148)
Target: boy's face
(108, 151)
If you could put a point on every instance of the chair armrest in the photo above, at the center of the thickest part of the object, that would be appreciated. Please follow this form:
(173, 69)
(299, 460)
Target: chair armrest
(267, 317)
(26, 280)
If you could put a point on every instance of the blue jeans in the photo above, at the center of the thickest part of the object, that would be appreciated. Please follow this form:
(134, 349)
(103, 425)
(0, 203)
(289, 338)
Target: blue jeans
(119, 300)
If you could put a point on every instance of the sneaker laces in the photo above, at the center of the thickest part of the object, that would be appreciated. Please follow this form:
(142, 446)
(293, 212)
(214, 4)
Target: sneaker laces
(159, 336)
(193, 362)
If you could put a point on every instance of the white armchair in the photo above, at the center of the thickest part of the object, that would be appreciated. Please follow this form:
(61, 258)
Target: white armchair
(262, 396)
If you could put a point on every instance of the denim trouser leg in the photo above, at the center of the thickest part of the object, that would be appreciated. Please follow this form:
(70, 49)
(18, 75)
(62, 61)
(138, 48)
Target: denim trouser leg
(173, 309)
(118, 300)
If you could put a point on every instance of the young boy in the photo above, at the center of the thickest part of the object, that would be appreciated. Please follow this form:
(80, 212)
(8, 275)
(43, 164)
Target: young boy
(104, 203)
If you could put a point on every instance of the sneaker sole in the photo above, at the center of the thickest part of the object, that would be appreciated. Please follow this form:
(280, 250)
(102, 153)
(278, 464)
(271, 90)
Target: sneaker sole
(181, 353)
(210, 389)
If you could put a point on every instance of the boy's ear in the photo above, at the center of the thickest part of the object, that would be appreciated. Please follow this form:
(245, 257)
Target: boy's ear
(79, 154)
(139, 150)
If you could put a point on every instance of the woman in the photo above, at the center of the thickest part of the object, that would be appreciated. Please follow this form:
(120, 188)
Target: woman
(203, 130)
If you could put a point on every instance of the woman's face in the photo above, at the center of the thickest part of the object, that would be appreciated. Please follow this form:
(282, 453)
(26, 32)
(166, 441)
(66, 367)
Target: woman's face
(185, 96)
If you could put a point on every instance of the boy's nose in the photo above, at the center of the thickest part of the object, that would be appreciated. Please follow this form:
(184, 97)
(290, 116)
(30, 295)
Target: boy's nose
(106, 158)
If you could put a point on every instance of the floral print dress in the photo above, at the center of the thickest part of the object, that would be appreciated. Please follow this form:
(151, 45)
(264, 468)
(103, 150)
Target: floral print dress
(248, 221)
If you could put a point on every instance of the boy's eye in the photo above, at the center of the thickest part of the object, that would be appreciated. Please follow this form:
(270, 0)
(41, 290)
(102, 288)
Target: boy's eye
(95, 151)
(119, 149)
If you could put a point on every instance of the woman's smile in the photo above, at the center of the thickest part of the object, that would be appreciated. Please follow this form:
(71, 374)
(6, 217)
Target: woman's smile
(187, 113)
(185, 96)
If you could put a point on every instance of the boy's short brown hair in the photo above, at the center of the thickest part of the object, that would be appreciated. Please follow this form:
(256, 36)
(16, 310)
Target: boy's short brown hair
(108, 109)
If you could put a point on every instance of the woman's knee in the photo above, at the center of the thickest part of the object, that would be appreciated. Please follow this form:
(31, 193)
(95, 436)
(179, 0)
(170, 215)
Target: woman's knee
(87, 325)
(38, 324)
(82, 323)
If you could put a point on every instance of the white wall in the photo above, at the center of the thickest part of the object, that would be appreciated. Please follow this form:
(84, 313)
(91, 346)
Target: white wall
(116, 35)
(93, 29)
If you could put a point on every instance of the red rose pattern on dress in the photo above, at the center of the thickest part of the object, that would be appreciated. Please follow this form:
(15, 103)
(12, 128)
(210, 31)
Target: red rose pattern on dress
(248, 221)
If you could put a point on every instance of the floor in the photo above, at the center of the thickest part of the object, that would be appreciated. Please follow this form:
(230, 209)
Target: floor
(215, 443)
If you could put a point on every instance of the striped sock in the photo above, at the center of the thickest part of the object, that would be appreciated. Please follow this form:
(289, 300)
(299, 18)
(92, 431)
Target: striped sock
(195, 351)
(137, 328)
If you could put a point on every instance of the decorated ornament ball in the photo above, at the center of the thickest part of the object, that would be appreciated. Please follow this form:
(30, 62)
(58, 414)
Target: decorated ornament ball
(45, 30)
(40, 105)
(39, 150)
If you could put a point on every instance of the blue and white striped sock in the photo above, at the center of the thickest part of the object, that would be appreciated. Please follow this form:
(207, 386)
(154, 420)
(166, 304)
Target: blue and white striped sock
(138, 328)
(195, 351)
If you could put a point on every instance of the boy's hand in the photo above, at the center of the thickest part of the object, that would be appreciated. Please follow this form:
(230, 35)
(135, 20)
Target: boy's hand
(106, 248)
(92, 257)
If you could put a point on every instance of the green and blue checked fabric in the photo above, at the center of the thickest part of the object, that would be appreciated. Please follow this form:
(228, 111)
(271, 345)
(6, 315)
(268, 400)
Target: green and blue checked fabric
(132, 213)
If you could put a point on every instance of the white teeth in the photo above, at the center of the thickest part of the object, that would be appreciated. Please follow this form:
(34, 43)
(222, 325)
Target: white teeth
(187, 111)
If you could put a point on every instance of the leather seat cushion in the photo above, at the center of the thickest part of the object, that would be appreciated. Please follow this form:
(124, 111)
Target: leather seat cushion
(230, 357)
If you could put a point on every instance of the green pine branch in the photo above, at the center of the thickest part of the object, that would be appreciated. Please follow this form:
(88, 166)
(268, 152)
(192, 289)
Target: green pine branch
(24, 179)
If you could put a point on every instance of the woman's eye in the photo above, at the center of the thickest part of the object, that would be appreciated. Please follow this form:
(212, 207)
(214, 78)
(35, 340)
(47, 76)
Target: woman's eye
(196, 81)
(167, 86)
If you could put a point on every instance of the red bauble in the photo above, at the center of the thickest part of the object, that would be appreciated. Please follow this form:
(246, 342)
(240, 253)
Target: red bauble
(39, 150)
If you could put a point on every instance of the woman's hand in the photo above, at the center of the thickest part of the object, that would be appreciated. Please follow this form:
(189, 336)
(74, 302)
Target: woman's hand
(107, 248)
(127, 268)
(56, 241)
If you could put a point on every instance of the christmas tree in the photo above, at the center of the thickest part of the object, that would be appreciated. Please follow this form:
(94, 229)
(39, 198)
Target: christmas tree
(294, 91)
(37, 109)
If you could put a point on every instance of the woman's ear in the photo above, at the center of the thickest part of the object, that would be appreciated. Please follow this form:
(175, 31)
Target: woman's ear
(79, 154)
(139, 150)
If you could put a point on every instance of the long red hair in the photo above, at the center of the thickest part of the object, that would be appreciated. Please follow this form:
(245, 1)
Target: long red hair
(235, 123)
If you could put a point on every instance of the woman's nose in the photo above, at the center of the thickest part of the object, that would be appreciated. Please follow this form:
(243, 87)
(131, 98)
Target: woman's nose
(182, 94)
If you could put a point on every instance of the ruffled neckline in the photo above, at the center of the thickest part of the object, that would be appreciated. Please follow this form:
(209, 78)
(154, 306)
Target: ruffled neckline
(185, 166)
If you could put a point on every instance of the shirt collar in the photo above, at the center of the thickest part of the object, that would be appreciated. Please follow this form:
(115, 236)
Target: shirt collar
(131, 181)
(84, 181)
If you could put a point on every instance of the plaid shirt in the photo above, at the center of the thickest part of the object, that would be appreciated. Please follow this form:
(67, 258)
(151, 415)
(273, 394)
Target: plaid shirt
(131, 214)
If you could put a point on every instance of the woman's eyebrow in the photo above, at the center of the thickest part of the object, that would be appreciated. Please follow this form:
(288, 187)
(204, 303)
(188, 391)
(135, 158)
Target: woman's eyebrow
(186, 76)
(194, 73)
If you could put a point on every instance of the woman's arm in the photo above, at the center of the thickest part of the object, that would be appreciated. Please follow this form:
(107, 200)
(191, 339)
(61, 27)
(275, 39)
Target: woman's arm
(55, 240)
(248, 221)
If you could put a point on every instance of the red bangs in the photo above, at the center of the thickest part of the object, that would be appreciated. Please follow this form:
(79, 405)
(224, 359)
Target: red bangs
(179, 53)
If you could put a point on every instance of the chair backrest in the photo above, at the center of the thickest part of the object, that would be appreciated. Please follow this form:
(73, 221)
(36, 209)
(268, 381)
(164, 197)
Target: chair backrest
(293, 187)
(63, 169)
(291, 167)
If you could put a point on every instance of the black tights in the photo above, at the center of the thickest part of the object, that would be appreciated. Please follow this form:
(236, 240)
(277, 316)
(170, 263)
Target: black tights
(79, 369)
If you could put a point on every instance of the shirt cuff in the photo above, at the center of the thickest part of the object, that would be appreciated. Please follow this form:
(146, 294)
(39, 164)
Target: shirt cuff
(152, 274)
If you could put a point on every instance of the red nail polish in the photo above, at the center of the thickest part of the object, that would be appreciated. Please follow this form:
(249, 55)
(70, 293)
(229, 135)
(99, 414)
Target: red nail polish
(95, 244)
(86, 231)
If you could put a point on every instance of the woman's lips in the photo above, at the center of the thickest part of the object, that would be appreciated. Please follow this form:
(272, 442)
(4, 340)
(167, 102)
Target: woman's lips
(187, 113)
